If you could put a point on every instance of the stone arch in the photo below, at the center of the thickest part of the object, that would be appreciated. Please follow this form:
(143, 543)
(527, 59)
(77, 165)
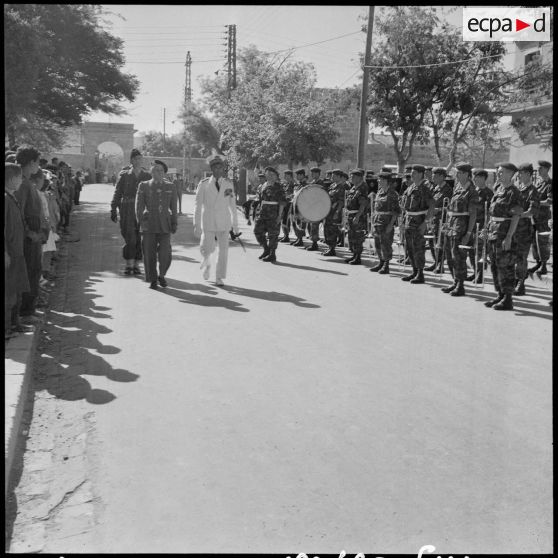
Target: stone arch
(109, 160)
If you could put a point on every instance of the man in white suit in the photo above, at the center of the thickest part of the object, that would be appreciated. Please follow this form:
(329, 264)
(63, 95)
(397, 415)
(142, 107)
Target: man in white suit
(214, 215)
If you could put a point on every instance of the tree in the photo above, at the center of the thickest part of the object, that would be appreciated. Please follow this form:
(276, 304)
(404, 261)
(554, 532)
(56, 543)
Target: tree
(60, 64)
(272, 116)
(172, 146)
(201, 133)
(422, 88)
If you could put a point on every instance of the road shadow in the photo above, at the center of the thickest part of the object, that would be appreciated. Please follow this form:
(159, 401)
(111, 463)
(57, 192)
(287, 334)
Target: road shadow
(308, 268)
(271, 296)
(201, 300)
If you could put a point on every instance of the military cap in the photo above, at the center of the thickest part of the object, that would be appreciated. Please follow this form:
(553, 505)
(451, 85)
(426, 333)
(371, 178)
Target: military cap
(464, 167)
(290, 172)
(508, 166)
(439, 170)
(337, 171)
(11, 158)
(344, 175)
(544, 164)
(215, 160)
(385, 169)
(315, 169)
(481, 172)
(163, 164)
(385, 174)
(418, 168)
(300, 171)
(134, 153)
(358, 172)
(525, 167)
(261, 174)
(271, 169)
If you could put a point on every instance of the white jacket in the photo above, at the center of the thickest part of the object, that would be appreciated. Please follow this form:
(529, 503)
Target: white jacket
(215, 210)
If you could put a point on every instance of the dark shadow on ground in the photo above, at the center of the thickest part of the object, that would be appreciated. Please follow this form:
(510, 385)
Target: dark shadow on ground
(307, 268)
(272, 296)
(201, 300)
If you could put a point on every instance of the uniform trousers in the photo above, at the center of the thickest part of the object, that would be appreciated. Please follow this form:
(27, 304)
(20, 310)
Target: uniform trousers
(523, 245)
(208, 241)
(356, 235)
(270, 226)
(383, 242)
(502, 265)
(541, 243)
(156, 246)
(33, 252)
(129, 229)
(315, 231)
(415, 243)
(459, 257)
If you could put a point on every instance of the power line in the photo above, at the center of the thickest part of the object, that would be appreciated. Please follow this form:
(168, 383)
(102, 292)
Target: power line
(437, 63)
(316, 43)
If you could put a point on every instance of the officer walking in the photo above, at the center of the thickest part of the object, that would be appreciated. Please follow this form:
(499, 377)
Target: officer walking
(156, 213)
(541, 233)
(124, 200)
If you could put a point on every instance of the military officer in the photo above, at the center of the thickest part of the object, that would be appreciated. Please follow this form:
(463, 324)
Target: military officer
(156, 212)
(541, 233)
(530, 200)
(299, 226)
(272, 200)
(505, 211)
(384, 216)
(462, 218)
(441, 191)
(419, 207)
(124, 200)
(333, 220)
(315, 227)
(288, 187)
(356, 208)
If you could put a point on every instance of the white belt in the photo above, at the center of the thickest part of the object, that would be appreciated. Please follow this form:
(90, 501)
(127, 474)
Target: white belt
(457, 214)
(383, 212)
(417, 212)
(269, 203)
(352, 211)
(498, 219)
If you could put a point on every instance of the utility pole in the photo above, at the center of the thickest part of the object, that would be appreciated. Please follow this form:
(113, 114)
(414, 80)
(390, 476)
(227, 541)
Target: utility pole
(187, 106)
(362, 128)
(164, 127)
(231, 59)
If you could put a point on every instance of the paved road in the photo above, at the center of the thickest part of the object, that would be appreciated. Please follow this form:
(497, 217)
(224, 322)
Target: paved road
(308, 406)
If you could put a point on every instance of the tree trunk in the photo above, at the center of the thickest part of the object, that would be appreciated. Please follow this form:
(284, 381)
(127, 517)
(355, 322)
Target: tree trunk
(11, 136)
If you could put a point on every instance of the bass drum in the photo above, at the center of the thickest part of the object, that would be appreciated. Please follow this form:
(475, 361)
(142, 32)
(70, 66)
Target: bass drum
(312, 203)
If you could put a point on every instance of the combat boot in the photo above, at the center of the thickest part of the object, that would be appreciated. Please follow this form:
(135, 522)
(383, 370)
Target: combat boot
(378, 266)
(450, 288)
(470, 277)
(505, 304)
(459, 289)
(349, 260)
(543, 270)
(285, 239)
(355, 260)
(385, 269)
(411, 276)
(265, 253)
(431, 267)
(491, 303)
(297, 242)
(271, 256)
(313, 247)
(479, 276)
(419, 278)
(535, 267)
(520, 289)
(330, 252)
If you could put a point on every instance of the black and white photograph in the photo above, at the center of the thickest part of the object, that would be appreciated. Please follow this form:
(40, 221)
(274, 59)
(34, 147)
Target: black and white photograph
(278, 279)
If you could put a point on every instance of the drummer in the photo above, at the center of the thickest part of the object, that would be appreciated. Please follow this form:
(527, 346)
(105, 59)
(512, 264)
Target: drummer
(356, 205)
(333, 220)
(315, 227)
(299, 226)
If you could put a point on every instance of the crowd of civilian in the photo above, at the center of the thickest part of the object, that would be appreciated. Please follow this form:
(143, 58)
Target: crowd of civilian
(38, 201)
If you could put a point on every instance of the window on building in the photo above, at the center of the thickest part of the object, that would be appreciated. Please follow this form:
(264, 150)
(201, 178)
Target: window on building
(532, 56)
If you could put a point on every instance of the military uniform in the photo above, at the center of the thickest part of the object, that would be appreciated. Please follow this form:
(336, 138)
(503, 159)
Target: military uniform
(356, 204)
(124, 200)
(541, 233)
(505, 204)
(156, 212)
(286, 218)
(271, 197)
(314, 228)
(417, 201)
(485, 197)
(440, 193)
(299, 226)
(333, 220)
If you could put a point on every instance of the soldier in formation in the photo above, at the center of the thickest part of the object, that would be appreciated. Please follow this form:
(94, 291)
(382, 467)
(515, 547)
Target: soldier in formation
(299, 226)
(540, 243)
(356, 206)
(286, 218)
(332, 222)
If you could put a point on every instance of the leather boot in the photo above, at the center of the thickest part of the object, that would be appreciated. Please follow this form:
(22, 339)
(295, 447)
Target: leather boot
(459, 289)
(378, 266)
(470, 277)
(505, 304)
(349, 260)
(535, 267)
(491, 303)
(419, 278)
(271, 256)
(313, 247)
(411, 276)
(285, 239)
(385, 269)
(450, 288)
(355, 260)
(431, 267)
(520, 289)
(265, 253)
(298, 242)
(543, 270)
(330, 252)
(479, 276)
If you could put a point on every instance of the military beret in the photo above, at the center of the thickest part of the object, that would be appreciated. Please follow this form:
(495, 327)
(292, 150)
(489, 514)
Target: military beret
(163, 164)
(439, 170)
(300, 171)
(290, 172)
(545, 164)
(215, 160)
(358, 172)
(525, 167)
(508, 166)
(481, 172)
(344, 175)
(418, 168)
(11, 158)
(464, 167)
(409, 168)
(315, 169)
(385, 174)
(337, 171)
(134, 153)
(385, 169)
(271, 169)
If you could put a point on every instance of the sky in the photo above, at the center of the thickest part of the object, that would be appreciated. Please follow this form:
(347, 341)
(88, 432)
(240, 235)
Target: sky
(157, 37)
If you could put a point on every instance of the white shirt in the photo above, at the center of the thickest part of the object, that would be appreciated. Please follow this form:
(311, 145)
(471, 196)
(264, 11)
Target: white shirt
(215, 210)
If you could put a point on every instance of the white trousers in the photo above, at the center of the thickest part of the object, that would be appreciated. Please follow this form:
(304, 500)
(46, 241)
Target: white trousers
(207, 247)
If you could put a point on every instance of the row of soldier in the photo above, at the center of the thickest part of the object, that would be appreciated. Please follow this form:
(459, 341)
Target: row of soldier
(465, 221)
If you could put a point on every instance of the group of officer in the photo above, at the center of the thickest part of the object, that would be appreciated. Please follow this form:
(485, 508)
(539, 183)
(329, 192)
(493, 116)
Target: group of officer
(462, 219)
